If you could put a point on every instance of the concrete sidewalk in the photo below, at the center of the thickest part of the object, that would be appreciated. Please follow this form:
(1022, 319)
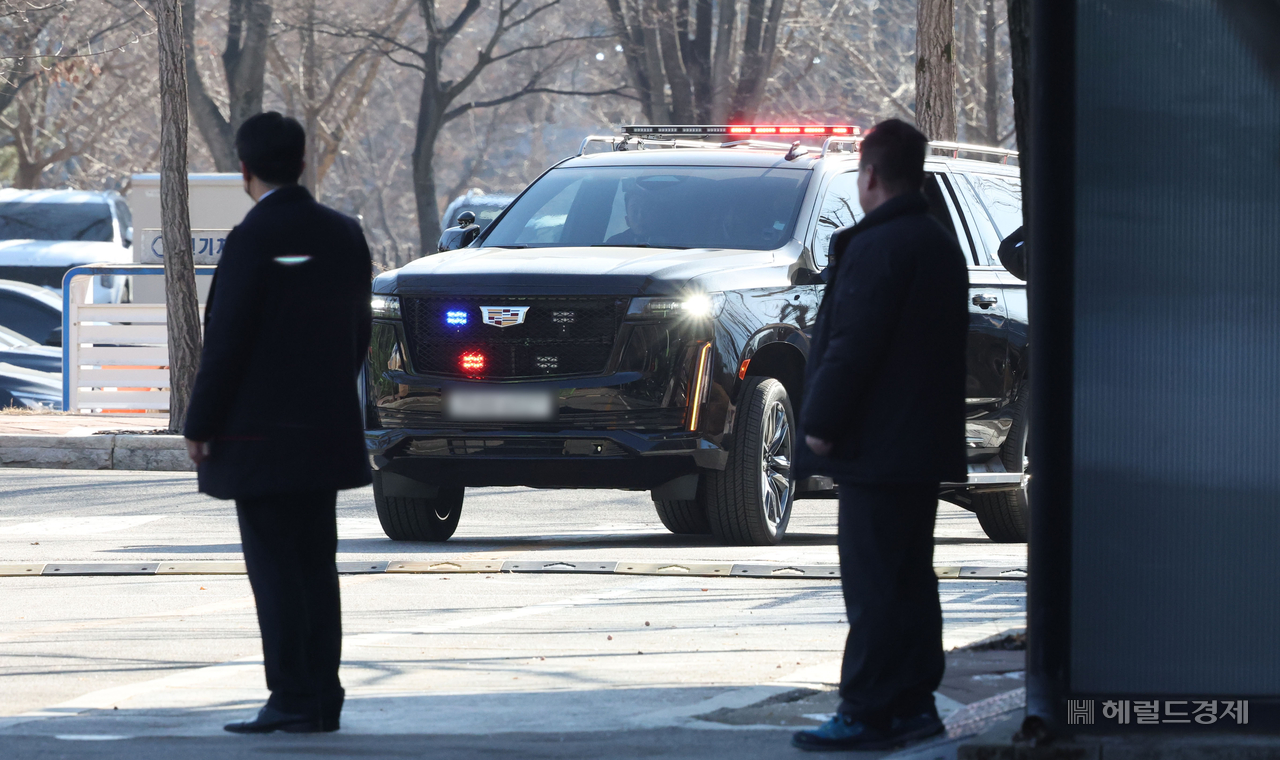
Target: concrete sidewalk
(90, 442)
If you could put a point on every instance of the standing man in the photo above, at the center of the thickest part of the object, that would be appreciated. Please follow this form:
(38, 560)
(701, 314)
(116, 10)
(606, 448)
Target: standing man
(274, 421)
(883, 416)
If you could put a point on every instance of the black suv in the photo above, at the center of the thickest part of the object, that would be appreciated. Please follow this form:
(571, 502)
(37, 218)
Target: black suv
(639, 318)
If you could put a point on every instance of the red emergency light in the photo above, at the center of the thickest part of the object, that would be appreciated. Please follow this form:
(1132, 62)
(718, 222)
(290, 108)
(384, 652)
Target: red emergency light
(472, 362)
(699, 130)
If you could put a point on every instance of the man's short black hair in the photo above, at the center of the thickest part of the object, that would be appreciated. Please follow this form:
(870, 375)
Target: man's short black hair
(271, 146)
(896, 149)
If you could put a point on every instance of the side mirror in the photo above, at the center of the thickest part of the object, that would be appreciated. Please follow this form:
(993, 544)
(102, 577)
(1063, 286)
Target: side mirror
(466, 219)
(55, 337)
(458, 237)
(1013, 254)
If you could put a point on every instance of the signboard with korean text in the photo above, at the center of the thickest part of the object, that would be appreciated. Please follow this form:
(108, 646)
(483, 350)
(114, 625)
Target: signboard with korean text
(206, 246)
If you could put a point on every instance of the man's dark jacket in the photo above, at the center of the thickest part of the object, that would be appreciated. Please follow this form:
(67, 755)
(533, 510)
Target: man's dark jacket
(886, 372)
(286, 332)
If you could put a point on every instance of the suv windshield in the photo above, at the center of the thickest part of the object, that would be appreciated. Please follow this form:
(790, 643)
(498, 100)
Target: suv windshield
(56, 221)
(657, 207)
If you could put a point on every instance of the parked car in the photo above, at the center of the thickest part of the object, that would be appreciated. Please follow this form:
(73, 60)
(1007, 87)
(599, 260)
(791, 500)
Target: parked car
(486, 208)
(21, 351)
(29, 389)
(639, 318)
(43, 233)
(31, 311)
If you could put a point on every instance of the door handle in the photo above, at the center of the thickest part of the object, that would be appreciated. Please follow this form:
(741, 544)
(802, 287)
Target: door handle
(985, 300)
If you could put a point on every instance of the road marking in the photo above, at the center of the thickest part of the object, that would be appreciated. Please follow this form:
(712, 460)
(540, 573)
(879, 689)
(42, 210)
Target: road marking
(78, 526)
(105, 699)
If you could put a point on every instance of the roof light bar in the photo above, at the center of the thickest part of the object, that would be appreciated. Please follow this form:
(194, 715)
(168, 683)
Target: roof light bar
(698, 130)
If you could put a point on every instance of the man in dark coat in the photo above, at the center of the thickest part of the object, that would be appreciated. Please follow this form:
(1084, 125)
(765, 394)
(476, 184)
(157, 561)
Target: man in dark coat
(275, 421)
(883, 416)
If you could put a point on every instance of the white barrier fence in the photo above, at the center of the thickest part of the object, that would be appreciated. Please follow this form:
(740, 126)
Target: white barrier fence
(115, 356)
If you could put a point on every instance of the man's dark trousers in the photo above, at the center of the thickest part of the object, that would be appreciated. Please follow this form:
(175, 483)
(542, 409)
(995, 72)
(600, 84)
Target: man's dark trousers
(290, 542)
(893, 657)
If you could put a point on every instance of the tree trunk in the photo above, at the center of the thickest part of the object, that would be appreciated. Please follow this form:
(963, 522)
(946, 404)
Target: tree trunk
(430, 120)
(1020, 53)
(673, 63)
(936, 69)
(244, 63)
(183, 309)
(310, 103)
(992, 104)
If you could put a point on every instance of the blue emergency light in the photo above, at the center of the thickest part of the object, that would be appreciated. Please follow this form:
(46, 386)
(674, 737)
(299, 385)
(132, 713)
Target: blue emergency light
(455, 318)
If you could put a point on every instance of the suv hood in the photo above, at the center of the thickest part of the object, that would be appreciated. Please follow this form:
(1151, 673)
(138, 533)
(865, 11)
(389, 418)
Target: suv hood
(61, 253)
(603, 269)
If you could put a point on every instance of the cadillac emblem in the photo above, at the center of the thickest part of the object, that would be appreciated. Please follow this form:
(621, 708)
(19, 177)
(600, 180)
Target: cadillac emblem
(504, 316)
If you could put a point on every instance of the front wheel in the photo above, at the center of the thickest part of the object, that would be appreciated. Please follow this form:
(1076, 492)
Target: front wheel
(416, 518)
(749, 503)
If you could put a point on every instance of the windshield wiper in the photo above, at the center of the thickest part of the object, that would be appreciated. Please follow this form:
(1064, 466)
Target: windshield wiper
(640, 245)
(518, 245)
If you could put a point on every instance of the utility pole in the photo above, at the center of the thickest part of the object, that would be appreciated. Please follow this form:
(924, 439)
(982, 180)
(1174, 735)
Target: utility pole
(182, 306)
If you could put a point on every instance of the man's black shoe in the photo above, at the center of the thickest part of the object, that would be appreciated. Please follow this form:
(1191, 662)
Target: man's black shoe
(916, 727)
(842, 733)
(270, 719)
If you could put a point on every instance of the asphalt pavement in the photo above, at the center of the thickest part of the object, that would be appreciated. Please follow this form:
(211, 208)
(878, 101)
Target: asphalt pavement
(458, 665)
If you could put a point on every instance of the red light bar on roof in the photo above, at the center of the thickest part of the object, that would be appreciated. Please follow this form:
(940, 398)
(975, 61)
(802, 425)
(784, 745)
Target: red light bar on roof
(697, 130)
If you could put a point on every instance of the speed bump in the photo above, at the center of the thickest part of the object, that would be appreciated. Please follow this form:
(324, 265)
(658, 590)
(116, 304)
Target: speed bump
(447, 566)
(792, 571)
(100, 568)
(22, 569)
(557, 566)
(675, 568)
(201, 568)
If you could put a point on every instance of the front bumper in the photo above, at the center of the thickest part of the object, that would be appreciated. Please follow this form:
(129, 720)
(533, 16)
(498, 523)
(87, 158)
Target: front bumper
(622, 459)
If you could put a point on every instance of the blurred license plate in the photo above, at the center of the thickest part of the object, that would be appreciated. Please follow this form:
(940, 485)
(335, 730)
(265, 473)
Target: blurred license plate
(499, 405)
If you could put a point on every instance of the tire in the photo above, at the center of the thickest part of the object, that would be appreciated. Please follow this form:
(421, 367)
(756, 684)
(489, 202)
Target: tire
(684, 517)
(749, 503)
(412, 518)
(1005, 516)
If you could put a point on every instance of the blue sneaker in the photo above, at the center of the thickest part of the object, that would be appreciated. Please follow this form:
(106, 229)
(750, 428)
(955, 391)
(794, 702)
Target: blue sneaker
(916, 727)
(842, 733)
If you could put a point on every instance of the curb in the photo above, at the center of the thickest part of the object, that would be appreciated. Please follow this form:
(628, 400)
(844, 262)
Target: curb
(514, 566)
(162, 453)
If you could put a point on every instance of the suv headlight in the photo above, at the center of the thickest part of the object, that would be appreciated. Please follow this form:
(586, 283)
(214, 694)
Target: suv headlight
(696, 306)
(386, 307)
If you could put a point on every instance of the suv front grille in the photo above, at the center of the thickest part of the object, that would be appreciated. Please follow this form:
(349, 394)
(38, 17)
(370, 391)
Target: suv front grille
(560, 335)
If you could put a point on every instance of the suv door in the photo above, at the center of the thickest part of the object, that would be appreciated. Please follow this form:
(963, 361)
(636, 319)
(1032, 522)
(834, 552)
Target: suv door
(996, 200)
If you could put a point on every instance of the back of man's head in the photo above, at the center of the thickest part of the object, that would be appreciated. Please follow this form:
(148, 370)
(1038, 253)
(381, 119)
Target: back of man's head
(896, 150)
(271, 146)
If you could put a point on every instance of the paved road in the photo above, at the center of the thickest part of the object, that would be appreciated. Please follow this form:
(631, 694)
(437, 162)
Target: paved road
(546, 665)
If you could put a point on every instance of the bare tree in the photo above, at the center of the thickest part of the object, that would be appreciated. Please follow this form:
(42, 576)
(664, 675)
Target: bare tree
(242, 66)
(1020, 53)
(526, 37)
(182, 307)
(326, 84)
(716, 63)
(936, 69)
(70, 81)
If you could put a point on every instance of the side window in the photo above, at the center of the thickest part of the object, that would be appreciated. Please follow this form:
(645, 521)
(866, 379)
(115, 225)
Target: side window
(988, 237)
(1001, 198)
(840, 208)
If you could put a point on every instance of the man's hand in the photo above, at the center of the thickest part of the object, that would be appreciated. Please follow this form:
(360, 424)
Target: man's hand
(197, 450)
(819, 446)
